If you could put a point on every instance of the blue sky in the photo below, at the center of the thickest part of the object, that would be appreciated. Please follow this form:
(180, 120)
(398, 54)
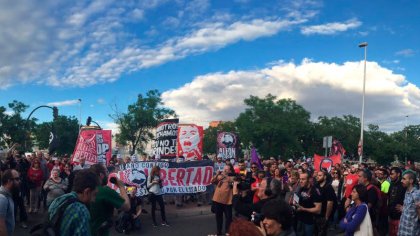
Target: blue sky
(207, 56)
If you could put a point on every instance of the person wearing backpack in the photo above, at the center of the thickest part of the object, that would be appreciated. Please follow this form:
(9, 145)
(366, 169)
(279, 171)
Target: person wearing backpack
(374, 201)
(74, 219)
(10, 181)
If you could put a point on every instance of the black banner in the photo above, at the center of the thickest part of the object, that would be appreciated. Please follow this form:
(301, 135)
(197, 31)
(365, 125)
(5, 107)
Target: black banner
(165, 140)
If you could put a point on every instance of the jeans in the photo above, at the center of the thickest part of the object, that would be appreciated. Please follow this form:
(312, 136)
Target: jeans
(304, 229)
(157, 198)
(219, 210)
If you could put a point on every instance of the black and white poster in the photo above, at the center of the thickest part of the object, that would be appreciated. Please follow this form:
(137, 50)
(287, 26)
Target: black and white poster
(165, 140)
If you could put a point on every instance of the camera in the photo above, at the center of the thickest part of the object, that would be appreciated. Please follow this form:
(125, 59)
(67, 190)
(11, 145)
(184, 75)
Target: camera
(256, 218)
(244, 183)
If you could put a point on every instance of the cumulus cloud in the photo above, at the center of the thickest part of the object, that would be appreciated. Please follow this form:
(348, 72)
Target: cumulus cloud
(322, 88)
(64, 103)
(331, 28)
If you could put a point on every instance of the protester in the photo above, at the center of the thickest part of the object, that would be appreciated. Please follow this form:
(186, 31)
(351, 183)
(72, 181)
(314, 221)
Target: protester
(154, 185)
(82, 165)
(357, 217)
(222, 198)
(242, 227)
(308, 207)
(410, 211)
(373, 200)
(130, 220)
(10, 181)
(76, 215)
(55, 186)
(278, 219)
(35, 178)
(256, 185)
(102, 209)
(66, 171)
(22, 166)
(338, 186)
(329, 200)
(395, 201)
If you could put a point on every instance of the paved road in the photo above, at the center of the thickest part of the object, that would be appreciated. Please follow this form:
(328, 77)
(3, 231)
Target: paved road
(189, 220)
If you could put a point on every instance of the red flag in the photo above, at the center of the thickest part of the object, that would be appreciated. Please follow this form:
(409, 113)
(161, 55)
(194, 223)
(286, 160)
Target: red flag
(337, 148)
(94, 146)
(326, 162)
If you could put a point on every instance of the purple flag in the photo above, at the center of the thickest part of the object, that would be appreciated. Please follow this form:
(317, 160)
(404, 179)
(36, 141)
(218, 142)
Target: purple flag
(255, 159)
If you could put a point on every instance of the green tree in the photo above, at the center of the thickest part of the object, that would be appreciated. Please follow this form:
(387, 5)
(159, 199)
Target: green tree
(67, 130)
(274, 126)
(13, 128)
(141, 118)
(345, 129)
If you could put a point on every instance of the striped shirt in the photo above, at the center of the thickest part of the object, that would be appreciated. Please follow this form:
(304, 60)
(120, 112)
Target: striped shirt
(409, 222)
(76, 217)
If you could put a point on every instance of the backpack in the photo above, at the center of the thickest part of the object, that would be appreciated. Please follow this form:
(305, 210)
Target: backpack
(52, 227)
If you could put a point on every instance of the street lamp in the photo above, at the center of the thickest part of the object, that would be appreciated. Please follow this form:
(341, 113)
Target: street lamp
(363, 45)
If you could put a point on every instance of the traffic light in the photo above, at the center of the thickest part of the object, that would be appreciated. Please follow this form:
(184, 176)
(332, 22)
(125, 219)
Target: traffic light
(55, 112)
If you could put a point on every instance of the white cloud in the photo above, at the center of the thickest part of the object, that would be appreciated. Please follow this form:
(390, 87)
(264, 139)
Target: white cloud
(64, 103)
(405, 52)
(79, 44)
(331, 28)
(322, 88)
(100, 101)
(110, 126)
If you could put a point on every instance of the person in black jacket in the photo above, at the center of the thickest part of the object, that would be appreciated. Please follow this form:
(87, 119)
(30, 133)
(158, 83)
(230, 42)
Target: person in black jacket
(396, 196)
(269, 189)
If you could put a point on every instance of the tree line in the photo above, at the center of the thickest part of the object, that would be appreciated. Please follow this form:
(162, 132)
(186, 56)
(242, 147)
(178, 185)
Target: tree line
(276, 127)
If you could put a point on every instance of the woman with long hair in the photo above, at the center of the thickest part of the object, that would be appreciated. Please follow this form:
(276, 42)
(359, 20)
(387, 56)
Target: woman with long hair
(357, 220)
(222, 198)
(35, 178)
(154, 185)
(55, 186)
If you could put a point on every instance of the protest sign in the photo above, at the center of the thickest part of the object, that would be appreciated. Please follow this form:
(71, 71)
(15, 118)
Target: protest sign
(178, 178)
(165, 142)
(226, 145)
(326, 162)
(190, 142)
(94, 146)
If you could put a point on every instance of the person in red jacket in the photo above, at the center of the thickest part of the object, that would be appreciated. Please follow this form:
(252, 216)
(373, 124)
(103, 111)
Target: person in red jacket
(35, 178)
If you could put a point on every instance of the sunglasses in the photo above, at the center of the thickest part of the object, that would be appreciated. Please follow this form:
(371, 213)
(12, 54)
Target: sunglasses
(253, 167)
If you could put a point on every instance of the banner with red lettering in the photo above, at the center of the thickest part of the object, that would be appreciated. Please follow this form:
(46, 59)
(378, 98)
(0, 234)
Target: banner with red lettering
(190, 142)
(94, 146)
(178, 178)
(326, 162)
(226, 145)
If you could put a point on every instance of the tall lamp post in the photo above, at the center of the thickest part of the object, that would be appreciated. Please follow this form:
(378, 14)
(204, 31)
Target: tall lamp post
(363, 45)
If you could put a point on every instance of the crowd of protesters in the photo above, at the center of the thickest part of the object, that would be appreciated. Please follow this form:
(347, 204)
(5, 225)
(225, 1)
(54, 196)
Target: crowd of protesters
(351, 199)
(274, 197)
